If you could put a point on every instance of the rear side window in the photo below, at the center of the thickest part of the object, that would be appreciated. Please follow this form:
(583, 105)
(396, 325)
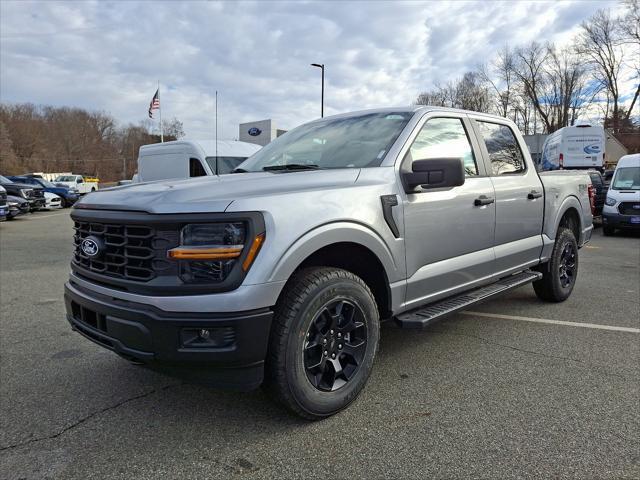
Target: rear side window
(504, 151)
(195, 168)
(442, 138)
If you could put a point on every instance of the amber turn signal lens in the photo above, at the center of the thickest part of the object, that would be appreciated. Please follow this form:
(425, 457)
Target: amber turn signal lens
(253, 251)
(205, 253)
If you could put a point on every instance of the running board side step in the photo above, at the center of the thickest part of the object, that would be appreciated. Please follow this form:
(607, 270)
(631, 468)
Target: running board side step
(425, 316)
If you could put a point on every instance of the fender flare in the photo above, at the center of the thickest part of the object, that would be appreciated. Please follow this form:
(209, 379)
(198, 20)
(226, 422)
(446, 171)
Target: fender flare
(331, 233)
(570, 202)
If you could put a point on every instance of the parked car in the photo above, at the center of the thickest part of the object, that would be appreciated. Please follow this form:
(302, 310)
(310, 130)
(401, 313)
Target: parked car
(33, 194)
(17, 206)
(52, 201)
(281, 275)
(191, 158)
(4, 207)
(78, 182)
(622, 206)
(68, 195)
(600, 191)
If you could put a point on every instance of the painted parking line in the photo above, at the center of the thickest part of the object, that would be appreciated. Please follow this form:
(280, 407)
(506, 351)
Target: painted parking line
(554, 322)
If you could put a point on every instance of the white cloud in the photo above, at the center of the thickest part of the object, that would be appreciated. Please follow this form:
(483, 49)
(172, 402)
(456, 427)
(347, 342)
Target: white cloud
(109, 55)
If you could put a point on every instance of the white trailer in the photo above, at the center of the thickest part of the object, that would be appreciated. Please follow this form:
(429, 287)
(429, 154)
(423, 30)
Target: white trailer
(578, 147)
(191, 158)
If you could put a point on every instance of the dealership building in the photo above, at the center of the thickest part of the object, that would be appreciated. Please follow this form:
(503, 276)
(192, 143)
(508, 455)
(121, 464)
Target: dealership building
(260, 132)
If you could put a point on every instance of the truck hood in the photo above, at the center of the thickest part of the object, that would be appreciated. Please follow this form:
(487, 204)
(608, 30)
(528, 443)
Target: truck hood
(213, 194)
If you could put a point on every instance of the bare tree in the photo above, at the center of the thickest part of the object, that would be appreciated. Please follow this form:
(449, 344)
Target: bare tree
(500, 76)
(468, 93)
(598, 45)
(529, 68)
(629, 34)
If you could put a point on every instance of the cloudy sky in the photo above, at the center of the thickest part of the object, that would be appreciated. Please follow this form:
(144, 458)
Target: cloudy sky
(110, 55)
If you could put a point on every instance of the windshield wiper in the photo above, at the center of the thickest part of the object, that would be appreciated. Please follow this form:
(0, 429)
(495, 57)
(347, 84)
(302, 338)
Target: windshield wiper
(291, 166)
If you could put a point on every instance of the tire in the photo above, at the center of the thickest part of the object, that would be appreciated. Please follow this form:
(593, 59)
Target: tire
(93, 189)
(321, 304)
(559, 274)
(608, 231)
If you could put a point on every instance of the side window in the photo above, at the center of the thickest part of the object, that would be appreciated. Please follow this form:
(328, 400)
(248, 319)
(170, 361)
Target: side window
(195, 168)
(441, 138)
(504, 151)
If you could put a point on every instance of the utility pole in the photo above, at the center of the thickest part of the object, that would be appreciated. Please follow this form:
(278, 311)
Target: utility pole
(321, 66)
(216, 126)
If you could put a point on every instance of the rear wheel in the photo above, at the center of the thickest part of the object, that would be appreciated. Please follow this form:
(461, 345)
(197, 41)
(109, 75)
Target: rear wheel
(559, 274)
(323, 342)
(608, 231)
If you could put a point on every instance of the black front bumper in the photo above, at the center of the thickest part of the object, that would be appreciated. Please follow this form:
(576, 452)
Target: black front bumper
(616, 220)
(220, 349)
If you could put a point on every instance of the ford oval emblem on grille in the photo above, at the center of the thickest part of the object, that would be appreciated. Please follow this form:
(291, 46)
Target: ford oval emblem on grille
(90, 246)
(254, 131)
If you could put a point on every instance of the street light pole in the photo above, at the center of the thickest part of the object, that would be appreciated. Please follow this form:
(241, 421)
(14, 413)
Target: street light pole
(321, 66)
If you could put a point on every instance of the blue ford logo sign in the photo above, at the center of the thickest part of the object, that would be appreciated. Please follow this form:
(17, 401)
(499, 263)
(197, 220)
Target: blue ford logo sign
(90, 247)
(254, 131)
(592, 149)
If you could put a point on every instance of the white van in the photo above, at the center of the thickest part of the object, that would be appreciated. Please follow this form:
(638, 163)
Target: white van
(622, 206)
(191, 158)
(578, 147)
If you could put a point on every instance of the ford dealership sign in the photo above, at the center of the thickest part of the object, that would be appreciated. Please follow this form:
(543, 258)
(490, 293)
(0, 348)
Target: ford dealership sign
(254, 131)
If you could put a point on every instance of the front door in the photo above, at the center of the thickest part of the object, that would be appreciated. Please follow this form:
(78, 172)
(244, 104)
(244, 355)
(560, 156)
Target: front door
(448, 234)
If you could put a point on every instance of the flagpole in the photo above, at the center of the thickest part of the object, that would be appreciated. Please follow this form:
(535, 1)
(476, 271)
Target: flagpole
(160, 111)
(216, 124)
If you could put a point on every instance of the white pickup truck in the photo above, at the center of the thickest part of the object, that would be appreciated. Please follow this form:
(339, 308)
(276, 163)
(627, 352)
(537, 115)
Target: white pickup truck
(79, 182)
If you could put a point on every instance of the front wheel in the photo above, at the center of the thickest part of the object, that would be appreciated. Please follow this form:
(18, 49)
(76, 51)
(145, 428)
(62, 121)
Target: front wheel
(323, 341)
(608, 231)
(559, 274)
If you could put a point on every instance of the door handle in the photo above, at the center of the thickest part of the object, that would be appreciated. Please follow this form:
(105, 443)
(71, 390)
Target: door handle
(533, 194)
(483, 200)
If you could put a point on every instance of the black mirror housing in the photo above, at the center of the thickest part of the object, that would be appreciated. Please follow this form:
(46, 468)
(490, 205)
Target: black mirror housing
(434, 173)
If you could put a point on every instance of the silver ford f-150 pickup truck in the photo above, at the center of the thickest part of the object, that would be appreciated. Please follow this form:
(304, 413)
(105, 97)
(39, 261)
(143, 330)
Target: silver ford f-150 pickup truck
(280, 273)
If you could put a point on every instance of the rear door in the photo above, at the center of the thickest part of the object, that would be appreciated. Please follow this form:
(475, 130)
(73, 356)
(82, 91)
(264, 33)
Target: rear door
(519, 196)
(448, 237)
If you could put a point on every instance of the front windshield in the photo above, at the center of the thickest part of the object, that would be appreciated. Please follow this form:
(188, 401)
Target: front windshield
(65, 178)
(45, 183)
(4, 180)
(627, 179)
(350, 142)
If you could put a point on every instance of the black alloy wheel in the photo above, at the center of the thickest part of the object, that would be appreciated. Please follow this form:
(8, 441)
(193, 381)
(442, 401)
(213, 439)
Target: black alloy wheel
(567, 267)
(323, 341)
(335, 345)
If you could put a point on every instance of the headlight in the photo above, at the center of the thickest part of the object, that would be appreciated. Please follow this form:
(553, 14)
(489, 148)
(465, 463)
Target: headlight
(610, 202)
(25, 192)
(208, 252)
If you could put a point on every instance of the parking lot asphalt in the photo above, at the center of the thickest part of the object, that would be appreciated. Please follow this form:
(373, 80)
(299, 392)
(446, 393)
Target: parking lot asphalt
(474, 396)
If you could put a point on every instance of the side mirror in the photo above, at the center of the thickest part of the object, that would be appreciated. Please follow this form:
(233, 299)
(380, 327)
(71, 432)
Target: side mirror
(79, 180)
(434, 173)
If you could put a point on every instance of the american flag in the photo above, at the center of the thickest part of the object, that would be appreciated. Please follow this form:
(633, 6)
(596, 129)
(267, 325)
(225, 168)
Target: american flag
(155, 103)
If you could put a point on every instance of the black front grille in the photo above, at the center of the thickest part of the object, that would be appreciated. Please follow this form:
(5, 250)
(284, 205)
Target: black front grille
(3, 198)
(128, 250)
(629, 208)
